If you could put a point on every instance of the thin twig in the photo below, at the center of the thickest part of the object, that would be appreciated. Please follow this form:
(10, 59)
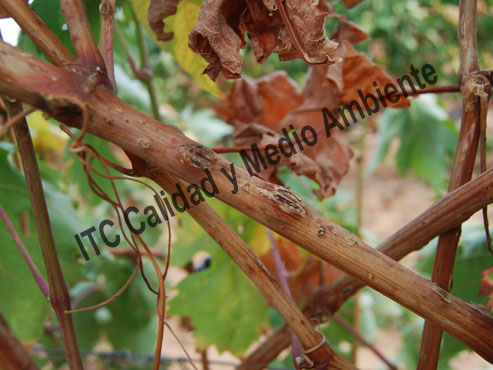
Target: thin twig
(58, 292)
(40, 280)
(39, 32)
(297, 350)
(107, 31)
(145, 65)
(87, 51)
(483, 113)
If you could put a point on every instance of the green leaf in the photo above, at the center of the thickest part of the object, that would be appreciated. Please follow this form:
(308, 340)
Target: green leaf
(20, 299)
(181, 25)
(128, 322)
(427, 140)
(225, 307)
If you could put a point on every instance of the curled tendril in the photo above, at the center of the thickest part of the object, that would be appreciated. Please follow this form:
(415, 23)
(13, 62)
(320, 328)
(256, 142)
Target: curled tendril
(86, 155)
(15, 119)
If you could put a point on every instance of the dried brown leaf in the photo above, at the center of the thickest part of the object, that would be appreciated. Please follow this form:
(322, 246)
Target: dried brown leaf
(258, 110)
(309, 24)
(158, 11)
(215, 39)
(219, 32)
(265, 101)
(359, 73)
(349, 31)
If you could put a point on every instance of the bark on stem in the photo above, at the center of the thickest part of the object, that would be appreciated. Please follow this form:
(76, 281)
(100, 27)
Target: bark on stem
(242, 255)
(164, 146)
(39, 32)
(465, 155)
(59, 295)
(107, 34)
(447, 213)
(86, 50)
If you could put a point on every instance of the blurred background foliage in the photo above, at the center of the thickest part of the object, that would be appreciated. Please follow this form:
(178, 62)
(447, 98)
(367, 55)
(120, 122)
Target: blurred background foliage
(224, 308)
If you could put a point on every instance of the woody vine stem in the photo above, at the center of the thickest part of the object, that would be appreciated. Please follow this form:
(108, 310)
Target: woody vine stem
(81, 95)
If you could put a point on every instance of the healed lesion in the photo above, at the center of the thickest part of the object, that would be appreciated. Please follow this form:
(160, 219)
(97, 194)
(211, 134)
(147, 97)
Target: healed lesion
(286, 200)
(197, 155)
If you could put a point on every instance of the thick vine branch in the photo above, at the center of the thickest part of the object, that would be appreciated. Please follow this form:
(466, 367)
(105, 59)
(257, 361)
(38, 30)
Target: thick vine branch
(465, 156)
(447, 213)
(243, 256)
(164, 146)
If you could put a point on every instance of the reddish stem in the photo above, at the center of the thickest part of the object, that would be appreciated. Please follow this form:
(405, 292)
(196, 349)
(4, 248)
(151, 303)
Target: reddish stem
(297, 350)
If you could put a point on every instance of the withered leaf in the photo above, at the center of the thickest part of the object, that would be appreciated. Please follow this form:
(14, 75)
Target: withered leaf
(157, 12)
(265, 101)
(215, 39)
(359, 73)
(338, 84)
(257, 110)
(349, 31)
(261, 109)
(219, 32)
(308, 22)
